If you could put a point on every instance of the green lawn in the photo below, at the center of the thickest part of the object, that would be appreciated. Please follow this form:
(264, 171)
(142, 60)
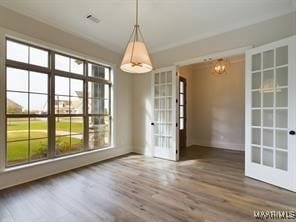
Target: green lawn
(23, 135)
(18, 151)
(76, 127)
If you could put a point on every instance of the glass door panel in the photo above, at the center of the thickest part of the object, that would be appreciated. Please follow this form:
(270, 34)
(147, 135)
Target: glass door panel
(269, 145)
(164, 87)
(268, 59)
(282, 56)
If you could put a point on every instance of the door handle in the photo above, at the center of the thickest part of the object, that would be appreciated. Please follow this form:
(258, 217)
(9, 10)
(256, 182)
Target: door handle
(152, 124)
(292, 132)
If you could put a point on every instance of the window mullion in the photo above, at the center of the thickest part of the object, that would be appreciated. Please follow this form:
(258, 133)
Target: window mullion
(85, 108)
(51, 99)
(110, 114)
(28, 67)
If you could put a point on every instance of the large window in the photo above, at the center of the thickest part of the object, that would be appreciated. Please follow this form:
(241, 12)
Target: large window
(55, 104)
(99, 118)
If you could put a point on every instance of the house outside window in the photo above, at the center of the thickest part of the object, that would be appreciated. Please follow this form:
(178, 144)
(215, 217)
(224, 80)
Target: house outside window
(56, 104)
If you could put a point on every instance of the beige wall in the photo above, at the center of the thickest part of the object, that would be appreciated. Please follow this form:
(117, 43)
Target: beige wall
(25, 28)
(217, 107)
(254, 35)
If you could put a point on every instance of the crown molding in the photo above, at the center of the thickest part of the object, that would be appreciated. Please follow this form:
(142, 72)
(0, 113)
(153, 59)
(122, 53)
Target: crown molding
(213, 56)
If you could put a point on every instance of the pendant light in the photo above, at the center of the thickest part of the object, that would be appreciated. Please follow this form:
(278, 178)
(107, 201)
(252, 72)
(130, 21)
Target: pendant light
(220, 66)
(136, 58)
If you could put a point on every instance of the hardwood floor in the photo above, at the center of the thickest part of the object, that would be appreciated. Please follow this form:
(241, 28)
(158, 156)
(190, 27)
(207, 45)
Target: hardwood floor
(206, 185)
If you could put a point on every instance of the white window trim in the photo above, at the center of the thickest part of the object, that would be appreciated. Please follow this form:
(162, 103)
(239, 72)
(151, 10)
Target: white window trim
(6, 33)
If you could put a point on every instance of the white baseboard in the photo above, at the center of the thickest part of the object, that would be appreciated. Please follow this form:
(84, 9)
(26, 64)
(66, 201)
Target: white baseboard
(11, 177)
(218, 144)
(147, 151)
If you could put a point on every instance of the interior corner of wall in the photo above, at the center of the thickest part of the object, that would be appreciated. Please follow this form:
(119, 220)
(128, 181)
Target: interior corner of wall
(221, 145)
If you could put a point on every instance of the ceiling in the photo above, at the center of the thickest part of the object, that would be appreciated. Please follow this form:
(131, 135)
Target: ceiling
(164, 23)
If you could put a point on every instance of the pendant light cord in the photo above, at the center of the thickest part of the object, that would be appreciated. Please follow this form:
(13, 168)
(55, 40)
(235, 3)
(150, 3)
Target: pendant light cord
(136, 33)
(137, 8)
(137, 21)
(141, 63)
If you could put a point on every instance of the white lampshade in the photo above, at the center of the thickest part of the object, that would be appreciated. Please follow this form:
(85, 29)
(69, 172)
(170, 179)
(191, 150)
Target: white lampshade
(136, 58)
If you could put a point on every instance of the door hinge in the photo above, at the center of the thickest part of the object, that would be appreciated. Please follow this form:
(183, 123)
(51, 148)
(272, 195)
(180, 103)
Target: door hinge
(176, 100)
(176, 124)
(176, 151)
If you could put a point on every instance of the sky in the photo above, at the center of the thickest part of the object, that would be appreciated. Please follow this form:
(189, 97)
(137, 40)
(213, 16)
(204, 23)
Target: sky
(23, 85)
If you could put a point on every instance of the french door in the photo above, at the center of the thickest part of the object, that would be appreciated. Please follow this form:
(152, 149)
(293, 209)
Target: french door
(182, 114)
(271, 113)
(165, 131)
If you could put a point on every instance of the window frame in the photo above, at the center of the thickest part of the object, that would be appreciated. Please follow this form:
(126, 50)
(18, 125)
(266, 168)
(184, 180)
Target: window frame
(91, 79)
(69, 75)
(52, 72)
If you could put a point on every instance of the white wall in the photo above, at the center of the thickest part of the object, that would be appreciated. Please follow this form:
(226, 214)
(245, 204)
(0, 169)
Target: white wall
(255, 35)
(142, 114)
(217, 118)
(25, 28)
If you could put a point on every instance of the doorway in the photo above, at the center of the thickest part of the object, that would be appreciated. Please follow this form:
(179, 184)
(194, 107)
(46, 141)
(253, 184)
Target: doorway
(182, 115)
(255, 94)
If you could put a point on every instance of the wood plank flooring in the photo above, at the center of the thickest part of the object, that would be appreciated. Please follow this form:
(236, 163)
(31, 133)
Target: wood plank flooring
(206, 185)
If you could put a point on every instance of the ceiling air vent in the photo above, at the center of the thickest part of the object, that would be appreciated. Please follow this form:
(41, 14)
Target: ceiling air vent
(93, 19)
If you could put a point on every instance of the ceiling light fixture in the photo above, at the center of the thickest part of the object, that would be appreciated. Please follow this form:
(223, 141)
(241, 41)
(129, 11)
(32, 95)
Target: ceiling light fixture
(136, 58)
(220, 66)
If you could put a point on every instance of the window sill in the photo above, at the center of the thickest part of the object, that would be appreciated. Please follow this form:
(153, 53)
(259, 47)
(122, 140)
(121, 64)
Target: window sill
(29, 165)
